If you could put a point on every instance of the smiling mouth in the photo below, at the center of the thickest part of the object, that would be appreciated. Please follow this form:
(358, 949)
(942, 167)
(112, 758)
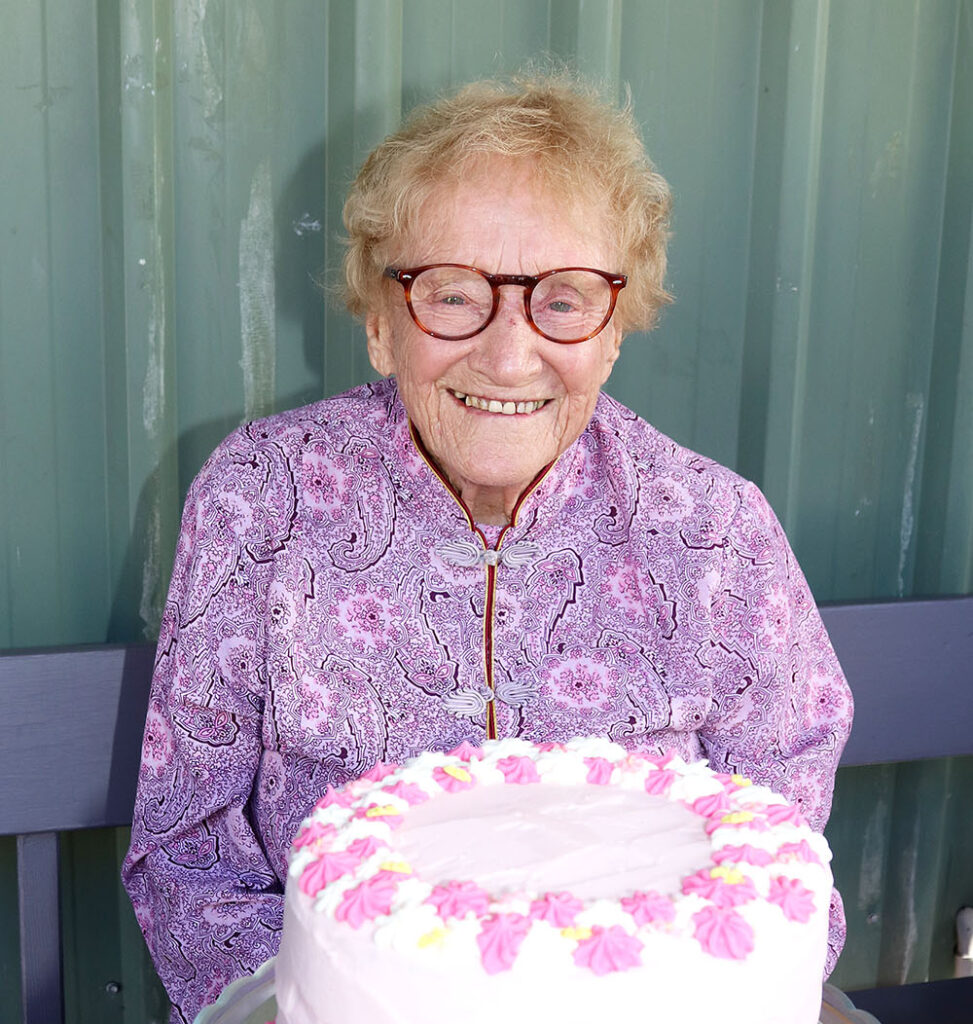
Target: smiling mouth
(507, 408)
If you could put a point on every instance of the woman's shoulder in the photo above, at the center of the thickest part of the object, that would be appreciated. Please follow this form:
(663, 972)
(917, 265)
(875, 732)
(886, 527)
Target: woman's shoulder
(273, 446)
(365, 410)
(652, 453)
(675, 486)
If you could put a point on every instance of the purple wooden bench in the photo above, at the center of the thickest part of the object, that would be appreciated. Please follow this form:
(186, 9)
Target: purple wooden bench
(71, 725)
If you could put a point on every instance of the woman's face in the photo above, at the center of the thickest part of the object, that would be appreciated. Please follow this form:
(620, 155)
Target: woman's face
(497, 220)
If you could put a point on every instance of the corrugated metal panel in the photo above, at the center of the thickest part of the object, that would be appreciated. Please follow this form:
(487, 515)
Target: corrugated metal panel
(171, 179)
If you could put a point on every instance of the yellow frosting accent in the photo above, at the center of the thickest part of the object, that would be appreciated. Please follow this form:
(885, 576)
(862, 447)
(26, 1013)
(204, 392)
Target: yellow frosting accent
(576, 933)
(741, 780)
(729, 875)
(398, 866)
(460, 774)
(737, 818)
(433, 938)
(382, 811)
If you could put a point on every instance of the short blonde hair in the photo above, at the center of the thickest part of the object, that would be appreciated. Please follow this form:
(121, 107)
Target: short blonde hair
(577, 144)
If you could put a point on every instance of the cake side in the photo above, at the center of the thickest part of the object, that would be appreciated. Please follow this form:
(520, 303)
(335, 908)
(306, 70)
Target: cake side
(741, 919)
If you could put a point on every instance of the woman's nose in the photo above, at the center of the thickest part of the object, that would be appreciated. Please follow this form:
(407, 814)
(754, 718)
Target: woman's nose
(508, 345)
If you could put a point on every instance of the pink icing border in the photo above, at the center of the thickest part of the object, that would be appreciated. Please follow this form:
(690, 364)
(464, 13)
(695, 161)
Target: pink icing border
(720, 930)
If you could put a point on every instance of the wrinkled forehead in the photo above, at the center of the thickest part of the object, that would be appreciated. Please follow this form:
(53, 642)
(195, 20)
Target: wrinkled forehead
(509, 208)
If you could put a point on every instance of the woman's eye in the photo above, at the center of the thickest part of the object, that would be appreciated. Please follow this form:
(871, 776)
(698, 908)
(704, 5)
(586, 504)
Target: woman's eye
(560, 306)
(447, 297)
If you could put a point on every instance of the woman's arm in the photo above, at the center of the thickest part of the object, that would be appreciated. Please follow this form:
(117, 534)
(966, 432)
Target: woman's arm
(207, 900)
(782, 709)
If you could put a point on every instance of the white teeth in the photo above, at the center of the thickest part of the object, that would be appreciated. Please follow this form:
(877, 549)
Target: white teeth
(494, 405)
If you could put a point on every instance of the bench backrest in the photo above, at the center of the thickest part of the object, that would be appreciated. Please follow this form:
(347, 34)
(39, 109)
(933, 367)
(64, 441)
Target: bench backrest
(910, 667)
(71, 725)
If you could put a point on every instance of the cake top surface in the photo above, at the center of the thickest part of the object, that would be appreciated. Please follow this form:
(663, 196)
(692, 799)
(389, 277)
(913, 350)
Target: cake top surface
(541, 839)
(583, 847)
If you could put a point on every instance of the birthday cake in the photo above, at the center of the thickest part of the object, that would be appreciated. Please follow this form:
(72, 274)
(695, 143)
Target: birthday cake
(572, 883)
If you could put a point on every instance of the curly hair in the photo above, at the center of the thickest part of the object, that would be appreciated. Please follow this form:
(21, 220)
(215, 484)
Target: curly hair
(577, 144)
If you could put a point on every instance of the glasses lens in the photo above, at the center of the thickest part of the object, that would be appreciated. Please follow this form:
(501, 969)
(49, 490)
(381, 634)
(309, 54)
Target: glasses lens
(571, 304)
(451, 301)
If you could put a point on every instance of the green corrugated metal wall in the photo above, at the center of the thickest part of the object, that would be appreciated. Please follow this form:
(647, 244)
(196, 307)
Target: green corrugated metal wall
(171, 178)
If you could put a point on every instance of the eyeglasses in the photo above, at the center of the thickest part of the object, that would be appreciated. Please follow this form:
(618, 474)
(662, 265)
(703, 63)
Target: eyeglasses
(454, 302)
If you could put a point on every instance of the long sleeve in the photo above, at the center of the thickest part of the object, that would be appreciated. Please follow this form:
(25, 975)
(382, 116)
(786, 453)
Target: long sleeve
(208, 901)
(782, 707)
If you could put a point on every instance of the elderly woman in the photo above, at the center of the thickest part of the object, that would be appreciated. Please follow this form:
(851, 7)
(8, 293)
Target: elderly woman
(481, 544)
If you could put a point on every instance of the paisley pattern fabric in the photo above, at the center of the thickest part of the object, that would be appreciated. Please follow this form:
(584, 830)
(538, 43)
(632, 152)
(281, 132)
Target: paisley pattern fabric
(333, 605)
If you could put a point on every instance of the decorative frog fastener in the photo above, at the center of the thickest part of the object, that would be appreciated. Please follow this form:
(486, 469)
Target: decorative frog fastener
(467, 554)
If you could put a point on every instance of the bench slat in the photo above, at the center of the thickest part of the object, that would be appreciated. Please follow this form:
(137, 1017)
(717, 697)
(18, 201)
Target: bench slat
(925, 1002)
(71, 734)
(910, 668)
(42, 998)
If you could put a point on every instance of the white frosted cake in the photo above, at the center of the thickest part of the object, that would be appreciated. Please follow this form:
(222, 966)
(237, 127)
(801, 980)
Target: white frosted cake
(518, 883)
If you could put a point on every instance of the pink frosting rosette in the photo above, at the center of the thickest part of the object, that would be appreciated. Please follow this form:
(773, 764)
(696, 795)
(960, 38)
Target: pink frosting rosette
(608, 950)
(724, 887)
(366, 846)
(722, 932)
(332, 864)
(659, 760)
(325, 869)
(368, 900)
(599, 771)
(659, 782)
(410, 792)
(499, 939)
(466, 752)
(792, 897)
(800, 851)
(647, 907)
(378, 771)
(784, 814)
(711, 805)
(518, 771)
(556, 908)
(312, 832)
(458, 898)
(743, 854)
(453, 778)
(334, 797)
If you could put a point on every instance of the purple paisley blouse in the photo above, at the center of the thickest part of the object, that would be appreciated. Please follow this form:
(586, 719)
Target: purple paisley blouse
(333, 605)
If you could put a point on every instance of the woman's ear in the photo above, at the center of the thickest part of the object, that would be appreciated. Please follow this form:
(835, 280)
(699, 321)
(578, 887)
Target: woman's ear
(380, 350)
(613, 348)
